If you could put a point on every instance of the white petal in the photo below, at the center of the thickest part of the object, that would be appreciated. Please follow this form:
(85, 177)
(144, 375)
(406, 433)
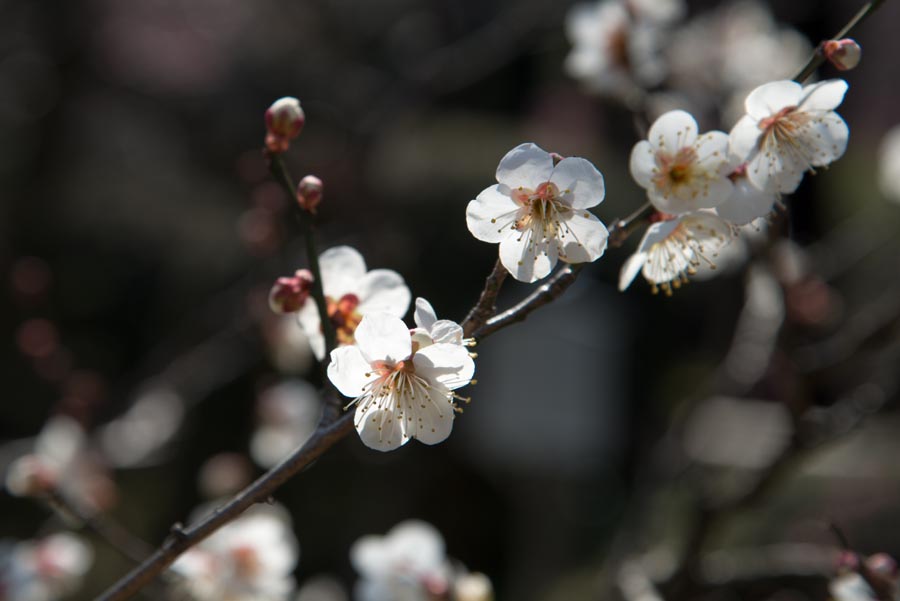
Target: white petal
(384, 291)
(526, 165)
(769, 98)
(582, 180)
(630, 269)
(672, 131)
(491, 214)
(341, 267)
(744, 138)
(424, 315)
(383, 337)
(527, 262)
(380, 429)
(829, 136)
(447, 331)
(643, 163)
(448, 364)
(747, 203)
(434, 421)
(713, 154)
(308, 318)
(656, 233)
(824, 95)
(585, 240)
(349, 371)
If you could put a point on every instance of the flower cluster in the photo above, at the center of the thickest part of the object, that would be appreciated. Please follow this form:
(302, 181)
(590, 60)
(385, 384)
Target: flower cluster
(43, 569)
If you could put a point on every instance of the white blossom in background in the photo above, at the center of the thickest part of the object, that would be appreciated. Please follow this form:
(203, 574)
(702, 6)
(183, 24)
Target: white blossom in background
(681, 170)
(612, 53)
(747, 202)
(409, 563)
(43, 569)
(351, 292)
(538, 212)
(400, 393)
(889, 164)
(287, 415)
(790, 129)
(473, 586)
(249, 559)
(657, 11)
(429, 329)
(674, 249)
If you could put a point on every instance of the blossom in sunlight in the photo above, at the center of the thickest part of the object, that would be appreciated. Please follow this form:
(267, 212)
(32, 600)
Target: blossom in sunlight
(889, 164)
(675, 248)
(747, 202)
(538, 212)
(287, 416)
(429, 329)
(43, 569)
(400, 391)
(351, 292)
(409, 563)
(790, 129)
(249, 559)
(681, 170)
(612, 51)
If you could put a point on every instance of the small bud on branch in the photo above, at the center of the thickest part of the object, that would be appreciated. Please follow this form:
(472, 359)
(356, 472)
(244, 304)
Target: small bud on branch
(289, 294)
(284, 122)
(843, 54)
(309, 193)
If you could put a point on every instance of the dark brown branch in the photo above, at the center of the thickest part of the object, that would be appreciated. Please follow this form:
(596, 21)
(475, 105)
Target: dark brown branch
(487, 302)
(322, 440)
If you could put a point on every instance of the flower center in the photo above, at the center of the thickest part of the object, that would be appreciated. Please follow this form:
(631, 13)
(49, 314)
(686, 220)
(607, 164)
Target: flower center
(783, 126)
(246, 561)
(344, 317)
(674, 171)
(543, 209)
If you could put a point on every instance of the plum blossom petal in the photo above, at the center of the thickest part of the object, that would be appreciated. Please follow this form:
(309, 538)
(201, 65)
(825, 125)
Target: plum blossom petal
(425, 315)
(673, 130)
(526, 165)
(381, 336)
(586, 238)
(349, 370)
(430, 330)
(746, 203)
(492, 214)
(579, 178)
(345, 265)
(383, 291)
(449, 364)
(824, 95)
(769, 98)
(527, 260)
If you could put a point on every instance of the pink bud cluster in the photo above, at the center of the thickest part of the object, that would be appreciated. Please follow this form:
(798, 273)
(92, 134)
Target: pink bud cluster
(284, 122)
(289, 294)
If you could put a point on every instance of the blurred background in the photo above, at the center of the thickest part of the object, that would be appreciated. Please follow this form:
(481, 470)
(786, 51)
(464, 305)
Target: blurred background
(140, 233)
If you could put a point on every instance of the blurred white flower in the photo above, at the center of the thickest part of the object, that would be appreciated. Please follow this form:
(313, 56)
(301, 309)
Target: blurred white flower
(659, 11)
(538, 212)
(43, 569)
(249, 559)
(747, 202)
(133, 438)
(407, 564)
(399, 393)
(429, 329)
(351, 292)
(287, 416)
(889, 164)
(612, 52)
(473, 586)
(790, 129)
(681, 170)
(671, 250)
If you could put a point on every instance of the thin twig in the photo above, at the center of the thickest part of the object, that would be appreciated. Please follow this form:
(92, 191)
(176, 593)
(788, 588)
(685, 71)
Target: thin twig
(260, 490)
(818, 57)
(487, 302)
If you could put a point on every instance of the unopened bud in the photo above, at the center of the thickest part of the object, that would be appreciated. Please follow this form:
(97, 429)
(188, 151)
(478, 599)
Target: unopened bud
(289, 294)
(309, 193)
(843, 54)
(284, 121)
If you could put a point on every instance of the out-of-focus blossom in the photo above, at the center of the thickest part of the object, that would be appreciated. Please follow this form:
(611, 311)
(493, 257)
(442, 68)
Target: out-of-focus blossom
(474, 586)
(681, 170)
(138, 435)
(747, 202)
(612, 51)
(429, 329)
(249, 559)
(284, 122)
(409, 563)
(399, 393)
(657, 11)
(875, 579)
(289, 294)
(224, 474)
(673, 249)
(351, 292)
(43, 569)
(538, 212)
(287, 416)
(62, 463)
(843, 54)
(322, 588)
(790, 129)
(309, 193)
(889, 164)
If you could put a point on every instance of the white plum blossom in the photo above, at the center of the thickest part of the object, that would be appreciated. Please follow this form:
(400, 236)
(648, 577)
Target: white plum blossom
(429, 329)
(400, 392)
(747, 202)
(790, 129)
(673, 249)
(44, 569)
(889, 164)
(351, 292)
(288, 413)
(249, 559)
(538, 212)
(409, 563)
(681, 170)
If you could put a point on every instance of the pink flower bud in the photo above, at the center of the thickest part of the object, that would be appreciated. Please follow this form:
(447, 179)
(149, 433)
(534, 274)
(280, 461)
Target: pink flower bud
(284, 121)
(843, 54)
(288, 294)
(882, 563)
(309, 193)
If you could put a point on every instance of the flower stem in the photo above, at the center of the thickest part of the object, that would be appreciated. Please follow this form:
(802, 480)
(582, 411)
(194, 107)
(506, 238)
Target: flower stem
(486, 306)
(280, 172)
(818, 57)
